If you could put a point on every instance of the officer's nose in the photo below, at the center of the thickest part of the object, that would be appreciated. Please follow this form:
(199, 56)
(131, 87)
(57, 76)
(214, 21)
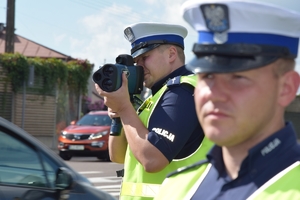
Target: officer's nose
(216, 89)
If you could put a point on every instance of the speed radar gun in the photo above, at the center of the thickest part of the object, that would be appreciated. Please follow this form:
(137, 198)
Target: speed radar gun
(109, 79)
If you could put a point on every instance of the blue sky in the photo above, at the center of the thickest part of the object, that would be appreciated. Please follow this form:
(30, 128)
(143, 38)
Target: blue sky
(93, 29)
(88, 29)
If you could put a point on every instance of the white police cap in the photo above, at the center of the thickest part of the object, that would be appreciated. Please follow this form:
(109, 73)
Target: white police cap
(146, 36)
(236, 35)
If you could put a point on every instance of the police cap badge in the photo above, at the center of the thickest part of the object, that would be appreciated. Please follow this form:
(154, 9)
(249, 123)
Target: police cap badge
(146, 36)
(236, 35)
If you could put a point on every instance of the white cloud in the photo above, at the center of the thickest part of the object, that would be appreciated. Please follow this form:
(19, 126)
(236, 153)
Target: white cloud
(59, 38)
(105, 30)
(151, 2)
(76, 43)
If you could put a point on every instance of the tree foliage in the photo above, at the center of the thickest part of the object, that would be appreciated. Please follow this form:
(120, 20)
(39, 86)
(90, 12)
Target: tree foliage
(51, 71)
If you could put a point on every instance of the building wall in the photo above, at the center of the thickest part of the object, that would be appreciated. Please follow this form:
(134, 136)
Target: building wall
(36, 115)
(6, 97)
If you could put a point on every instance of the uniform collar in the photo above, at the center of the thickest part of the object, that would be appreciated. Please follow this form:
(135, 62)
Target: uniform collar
(260, 154)
(178, 72)
(263, 153)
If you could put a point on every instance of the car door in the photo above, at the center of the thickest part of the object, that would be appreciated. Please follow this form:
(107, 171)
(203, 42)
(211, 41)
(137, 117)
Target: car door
(23, 171)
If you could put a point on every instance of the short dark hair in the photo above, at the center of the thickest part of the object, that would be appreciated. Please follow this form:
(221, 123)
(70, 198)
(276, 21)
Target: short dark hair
(283, 65)
(180, 51)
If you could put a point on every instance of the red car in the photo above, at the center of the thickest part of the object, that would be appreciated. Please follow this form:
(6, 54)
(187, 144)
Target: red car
(86, 137)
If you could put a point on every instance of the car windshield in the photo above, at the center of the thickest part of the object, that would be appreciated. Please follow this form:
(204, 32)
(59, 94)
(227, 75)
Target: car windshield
(94, 120)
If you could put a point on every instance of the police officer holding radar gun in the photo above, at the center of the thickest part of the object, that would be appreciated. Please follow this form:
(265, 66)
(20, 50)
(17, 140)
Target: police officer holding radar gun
(244, 60)
(164, 134)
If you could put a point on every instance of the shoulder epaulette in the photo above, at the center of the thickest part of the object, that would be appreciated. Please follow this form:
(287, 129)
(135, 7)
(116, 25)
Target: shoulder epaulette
(174, 81)
(183, 169)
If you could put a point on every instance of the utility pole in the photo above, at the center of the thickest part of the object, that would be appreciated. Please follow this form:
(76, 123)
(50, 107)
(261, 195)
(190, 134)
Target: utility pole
(10, 26)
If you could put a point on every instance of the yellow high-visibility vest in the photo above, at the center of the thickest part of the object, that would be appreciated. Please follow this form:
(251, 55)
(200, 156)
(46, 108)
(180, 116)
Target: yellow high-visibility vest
(140, 185)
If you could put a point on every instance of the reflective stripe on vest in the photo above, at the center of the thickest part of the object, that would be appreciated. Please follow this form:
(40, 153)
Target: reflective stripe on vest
(182, 185)
(285, 185)
(139, 189)
(135, 172)
(192, 191)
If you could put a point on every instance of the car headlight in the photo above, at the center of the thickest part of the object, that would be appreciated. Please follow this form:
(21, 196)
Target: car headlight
(98, 135)
(63, 133)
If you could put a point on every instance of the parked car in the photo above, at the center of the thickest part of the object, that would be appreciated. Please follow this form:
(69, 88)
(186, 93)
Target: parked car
(29, 170)
(86, 137)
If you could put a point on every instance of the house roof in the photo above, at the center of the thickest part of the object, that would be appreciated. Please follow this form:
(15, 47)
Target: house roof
(30, 48)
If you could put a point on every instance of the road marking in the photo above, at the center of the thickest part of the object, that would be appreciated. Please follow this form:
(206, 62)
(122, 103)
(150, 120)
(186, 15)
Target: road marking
(108, 186)
(115, 194)
(102, 180)
(91, 172)
(114, 182)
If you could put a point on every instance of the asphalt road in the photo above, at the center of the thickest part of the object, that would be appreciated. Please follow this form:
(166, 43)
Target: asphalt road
(101, 173)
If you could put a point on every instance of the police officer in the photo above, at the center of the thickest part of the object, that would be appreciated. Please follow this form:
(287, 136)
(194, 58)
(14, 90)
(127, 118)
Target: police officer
(244, 59)
(165, 133)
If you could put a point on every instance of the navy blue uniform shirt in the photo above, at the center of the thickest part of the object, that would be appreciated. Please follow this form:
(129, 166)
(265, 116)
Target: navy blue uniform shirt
(175, 114)
(264, 161)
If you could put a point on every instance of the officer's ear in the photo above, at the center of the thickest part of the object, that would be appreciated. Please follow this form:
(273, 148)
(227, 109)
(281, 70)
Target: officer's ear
(172, 53)
(289, 84)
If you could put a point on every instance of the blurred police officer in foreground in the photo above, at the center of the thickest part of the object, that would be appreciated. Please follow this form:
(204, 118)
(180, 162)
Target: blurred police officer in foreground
(245, 59)
(165, 133)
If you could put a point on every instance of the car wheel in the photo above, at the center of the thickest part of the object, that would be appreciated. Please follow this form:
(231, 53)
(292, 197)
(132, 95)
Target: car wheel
(65, 155)
(104, 157)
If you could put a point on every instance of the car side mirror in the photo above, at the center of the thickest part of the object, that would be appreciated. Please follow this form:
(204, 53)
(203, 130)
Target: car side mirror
(64, 179)
(73, 122)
